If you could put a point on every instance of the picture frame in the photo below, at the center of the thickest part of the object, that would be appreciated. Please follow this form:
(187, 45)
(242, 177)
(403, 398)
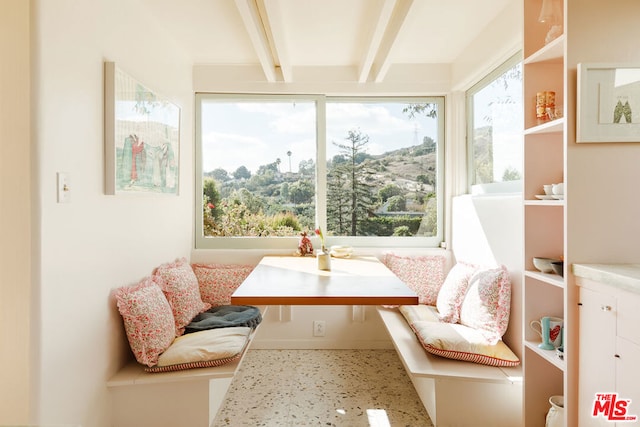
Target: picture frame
(141, 137)
(608, 103)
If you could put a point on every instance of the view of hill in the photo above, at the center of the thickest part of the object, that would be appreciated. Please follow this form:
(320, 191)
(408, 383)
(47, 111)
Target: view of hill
(401, 184)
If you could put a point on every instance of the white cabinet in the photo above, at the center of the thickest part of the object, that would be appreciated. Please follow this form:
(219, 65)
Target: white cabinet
(597, 371)
(609, 351)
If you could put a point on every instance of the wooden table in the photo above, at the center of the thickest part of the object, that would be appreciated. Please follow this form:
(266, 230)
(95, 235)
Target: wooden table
(280, 280)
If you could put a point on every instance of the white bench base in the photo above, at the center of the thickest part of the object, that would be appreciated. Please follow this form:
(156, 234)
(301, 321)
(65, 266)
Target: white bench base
(184, 398)
(191, 397)
(453, 392)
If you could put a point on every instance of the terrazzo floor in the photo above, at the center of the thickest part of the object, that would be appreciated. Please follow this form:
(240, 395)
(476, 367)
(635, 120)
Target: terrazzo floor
(342, 388)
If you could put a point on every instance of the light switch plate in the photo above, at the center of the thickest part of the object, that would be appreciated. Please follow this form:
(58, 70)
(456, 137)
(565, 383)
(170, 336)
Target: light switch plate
(64, 188)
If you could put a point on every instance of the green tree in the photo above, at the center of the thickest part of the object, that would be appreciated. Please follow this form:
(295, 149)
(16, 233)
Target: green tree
(356, 179)
(242, 172)
(397, 204)
(220, 174)
(388, 191)
(511, 174)
(337, 202)
(211, 197)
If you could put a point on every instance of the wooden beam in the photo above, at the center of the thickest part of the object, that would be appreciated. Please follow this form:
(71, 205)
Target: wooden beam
(398, 19)
(377, 34)
(256, 31)
(274, 25)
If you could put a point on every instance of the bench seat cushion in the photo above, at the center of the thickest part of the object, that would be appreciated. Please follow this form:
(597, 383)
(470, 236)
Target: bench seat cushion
(455, 341)
(214, 347)
(460, 342)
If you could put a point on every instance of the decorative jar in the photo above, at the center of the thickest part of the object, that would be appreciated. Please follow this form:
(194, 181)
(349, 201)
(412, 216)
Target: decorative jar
(324, 259)
(555, 416)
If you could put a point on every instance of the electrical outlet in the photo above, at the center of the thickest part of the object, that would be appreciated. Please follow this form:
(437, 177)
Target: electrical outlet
(319, 328)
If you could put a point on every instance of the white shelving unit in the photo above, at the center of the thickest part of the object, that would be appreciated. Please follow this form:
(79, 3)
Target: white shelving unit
(544, 220)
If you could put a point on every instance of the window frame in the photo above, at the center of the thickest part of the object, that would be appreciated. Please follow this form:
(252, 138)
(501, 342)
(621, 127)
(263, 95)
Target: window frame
(515, 186)
(238, 242)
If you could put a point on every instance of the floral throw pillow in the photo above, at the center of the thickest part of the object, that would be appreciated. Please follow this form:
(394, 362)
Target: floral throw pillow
(423, 274)
(218, 281)
(180, 286)
(148, 320)
(453, 291)
(487, 304)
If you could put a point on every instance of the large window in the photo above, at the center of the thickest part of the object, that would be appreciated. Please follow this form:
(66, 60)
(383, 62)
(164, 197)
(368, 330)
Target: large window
(495, 128)
(368, 171)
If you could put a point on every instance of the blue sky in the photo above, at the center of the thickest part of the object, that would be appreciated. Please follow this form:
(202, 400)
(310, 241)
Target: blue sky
(254, 134)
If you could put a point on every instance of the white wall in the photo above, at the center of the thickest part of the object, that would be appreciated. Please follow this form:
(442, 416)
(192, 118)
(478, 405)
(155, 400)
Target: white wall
(501, 39)
(488, 230)
(95, 243)
(85, 249)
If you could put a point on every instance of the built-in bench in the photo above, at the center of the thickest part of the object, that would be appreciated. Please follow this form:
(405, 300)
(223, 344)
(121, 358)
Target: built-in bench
(456, 393)
(168, 399)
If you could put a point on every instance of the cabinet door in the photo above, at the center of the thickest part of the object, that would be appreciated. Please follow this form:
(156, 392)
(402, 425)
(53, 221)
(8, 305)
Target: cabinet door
(597, 367)
(627, 376)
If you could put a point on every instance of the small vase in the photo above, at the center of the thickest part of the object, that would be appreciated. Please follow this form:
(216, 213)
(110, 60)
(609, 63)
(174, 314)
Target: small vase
(555, 416)
(324, 259)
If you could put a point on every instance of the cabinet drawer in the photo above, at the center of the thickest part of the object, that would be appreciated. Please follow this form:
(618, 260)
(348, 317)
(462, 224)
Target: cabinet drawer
(629, 319)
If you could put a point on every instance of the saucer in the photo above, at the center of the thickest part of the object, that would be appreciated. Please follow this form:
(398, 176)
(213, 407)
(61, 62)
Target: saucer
(544, 197)
(558, 196)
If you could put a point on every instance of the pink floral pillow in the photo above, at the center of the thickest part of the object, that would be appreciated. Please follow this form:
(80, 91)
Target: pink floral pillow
(180, 286)
(453, 291)
(148, 320)
(218, 281)
(423, 274)
(487, 304)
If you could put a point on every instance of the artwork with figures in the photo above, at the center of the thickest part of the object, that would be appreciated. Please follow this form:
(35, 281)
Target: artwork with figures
(619, 95)
(608, 103)
(141, 137)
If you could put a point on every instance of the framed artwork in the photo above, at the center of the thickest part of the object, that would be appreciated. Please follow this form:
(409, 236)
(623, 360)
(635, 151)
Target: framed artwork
(142, 137)
(608, 103)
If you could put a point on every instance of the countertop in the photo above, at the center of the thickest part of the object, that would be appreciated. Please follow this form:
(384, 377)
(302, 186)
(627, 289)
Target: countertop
(623, 276)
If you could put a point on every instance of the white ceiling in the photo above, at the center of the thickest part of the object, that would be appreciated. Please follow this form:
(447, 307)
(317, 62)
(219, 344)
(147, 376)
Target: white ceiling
(282, 35)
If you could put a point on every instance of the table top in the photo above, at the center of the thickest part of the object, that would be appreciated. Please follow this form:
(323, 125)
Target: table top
(281, 280)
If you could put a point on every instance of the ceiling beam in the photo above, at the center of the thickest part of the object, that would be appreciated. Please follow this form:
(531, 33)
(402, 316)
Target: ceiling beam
(271, 12)
(396, 22)
(377, 33)
(256, 31)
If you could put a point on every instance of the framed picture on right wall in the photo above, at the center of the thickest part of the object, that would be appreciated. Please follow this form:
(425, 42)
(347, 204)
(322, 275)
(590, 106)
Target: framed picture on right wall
(608, 103)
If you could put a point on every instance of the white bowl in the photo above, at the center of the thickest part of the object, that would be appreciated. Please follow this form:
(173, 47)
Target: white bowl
(544, 264)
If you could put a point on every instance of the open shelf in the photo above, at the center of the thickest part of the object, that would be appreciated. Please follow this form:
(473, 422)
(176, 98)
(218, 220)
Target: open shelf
(552, 126)
(544, 202)
(550, 278)
(551, 52)
(549, 355)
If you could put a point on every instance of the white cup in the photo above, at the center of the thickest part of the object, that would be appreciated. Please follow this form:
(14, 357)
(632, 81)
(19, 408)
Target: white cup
(548, 189)
(558, 189)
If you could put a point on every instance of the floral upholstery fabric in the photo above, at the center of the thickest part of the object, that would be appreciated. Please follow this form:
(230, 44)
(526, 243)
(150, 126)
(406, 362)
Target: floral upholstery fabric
(487, 303)
(423, 274)
(180, 286)
(218, 281)
(148, 320)
(453, 291)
